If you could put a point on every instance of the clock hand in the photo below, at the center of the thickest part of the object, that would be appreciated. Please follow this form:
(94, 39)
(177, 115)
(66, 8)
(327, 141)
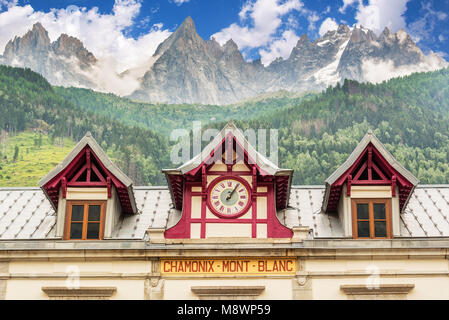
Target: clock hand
(230, 195)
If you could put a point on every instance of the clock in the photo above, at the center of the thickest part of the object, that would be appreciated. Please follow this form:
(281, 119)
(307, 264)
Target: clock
(229, 197)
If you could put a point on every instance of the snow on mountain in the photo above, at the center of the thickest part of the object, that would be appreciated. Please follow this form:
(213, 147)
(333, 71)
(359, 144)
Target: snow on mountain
(187, 69)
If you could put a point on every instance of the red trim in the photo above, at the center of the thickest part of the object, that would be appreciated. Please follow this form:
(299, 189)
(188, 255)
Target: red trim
(282, 183)
(203, 201)
(274, 228)
(231, 173)
(218, 220)
(182, 229)
(276, 195)
(370, 159)
(348, 186)
(84, 161)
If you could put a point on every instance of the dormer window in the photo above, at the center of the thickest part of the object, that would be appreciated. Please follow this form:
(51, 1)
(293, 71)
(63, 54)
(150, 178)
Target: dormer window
(89, 193)
(85, 220)
(229, 190)
(369, 191)
(371, 218)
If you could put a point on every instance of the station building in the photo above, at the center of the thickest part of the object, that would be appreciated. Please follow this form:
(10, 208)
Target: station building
(229, 225)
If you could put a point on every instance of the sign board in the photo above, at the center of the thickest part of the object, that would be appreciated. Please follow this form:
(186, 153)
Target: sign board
(237, 266)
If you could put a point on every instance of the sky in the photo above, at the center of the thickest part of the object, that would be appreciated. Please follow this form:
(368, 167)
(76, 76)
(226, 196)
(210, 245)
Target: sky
(128, 31)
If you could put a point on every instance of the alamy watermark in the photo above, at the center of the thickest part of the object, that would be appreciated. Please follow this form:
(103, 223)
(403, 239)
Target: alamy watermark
(254, 146)
(73, 277)
(373, 280)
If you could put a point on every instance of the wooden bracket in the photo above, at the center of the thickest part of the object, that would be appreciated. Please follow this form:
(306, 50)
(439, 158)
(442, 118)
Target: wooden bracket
(348, 187)
(109, 185)
(393, 186)
(64, 187)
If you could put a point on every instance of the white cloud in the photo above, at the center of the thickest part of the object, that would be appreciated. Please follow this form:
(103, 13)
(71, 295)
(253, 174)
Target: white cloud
(180, 2)
(7, 3)
(441, 38)
(378, 14)
(279, 48)
(378, 71)
(346, 3)
(422, 28)
(327, 25)
(102, 34)
(312, 18)
(265, 17)
(269, 26)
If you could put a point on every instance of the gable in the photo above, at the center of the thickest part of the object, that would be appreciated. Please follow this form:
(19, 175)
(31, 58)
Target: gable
(88, 166)
(228, 148)
(369, 164)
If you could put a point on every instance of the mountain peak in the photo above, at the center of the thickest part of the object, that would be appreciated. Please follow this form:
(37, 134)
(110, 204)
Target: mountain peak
(34, 40)
(387, 33)
(303, 40)
(343, 28)
(68, 46)
(231, 45)
(402, 36)
(188, 24)
(38, 27)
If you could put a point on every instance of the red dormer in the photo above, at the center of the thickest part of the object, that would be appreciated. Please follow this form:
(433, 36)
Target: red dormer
(372, 173)
(91, 188)
(229, 190)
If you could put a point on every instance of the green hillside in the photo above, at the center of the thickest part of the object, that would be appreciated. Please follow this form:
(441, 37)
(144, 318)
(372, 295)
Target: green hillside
(164, 118)
(29, 156)
(29, 103)
(410, 115)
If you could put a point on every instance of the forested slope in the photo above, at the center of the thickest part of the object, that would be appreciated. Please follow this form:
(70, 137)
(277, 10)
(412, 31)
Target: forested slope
(316, 132)
(29, 102)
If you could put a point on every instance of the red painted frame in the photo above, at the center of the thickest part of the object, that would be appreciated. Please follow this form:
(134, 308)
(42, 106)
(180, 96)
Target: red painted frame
(214, 182)
(63, 179)
(375, 161)
(276, 195)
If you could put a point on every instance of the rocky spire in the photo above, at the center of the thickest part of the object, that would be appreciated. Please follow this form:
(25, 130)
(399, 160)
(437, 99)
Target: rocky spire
(34, 40)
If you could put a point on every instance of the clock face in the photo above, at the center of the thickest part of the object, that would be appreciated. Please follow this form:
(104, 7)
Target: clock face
(229, 197)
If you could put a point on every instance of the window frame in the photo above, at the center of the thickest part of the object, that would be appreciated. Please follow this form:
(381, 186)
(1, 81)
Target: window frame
(85, 204)
(371, 220)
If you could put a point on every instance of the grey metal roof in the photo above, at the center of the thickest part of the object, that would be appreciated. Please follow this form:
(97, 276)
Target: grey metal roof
(26, 214)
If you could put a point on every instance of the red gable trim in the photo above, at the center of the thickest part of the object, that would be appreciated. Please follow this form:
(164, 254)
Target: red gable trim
(226, 145)
(176, 181)
(68, 176)
(373, 162)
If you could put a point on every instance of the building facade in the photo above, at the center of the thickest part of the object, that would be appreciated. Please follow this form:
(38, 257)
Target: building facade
(229, 226)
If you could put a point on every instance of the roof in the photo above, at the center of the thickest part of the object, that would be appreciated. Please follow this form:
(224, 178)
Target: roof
(88, 140)
(369, 138)
(283, 177)
(262, 162)
(26, 213)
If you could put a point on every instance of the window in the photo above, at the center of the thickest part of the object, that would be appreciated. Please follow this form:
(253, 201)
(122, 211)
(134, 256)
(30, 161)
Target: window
(371, 218)
(85, 220)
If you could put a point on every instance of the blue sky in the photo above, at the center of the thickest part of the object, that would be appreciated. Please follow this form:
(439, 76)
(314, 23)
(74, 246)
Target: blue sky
(263, 29)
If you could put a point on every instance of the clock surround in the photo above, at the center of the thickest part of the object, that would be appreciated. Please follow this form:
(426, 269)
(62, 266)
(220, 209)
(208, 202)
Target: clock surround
(226, 190)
